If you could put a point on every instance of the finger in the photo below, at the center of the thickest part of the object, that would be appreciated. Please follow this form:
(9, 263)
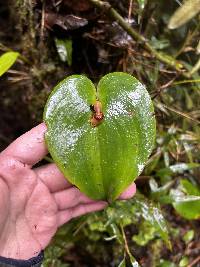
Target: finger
(29, 148)
(70, 198)
(65, 216)
(52, 177)
(129, 192)
(16, 175)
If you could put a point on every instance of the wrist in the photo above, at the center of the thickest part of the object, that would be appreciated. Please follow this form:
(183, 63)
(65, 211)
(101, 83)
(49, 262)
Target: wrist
(17, 250)
(17, 242)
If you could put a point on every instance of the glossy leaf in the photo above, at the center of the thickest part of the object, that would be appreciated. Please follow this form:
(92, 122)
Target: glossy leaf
(188, 236)
(101, 161)
(153, 214)
(165, 263)
(184, 13)
(177, 168)
(7, 60)
(188, 204)
(142, 4)
(184, 262)
(66, 22)
(189, 188)
(64, 49)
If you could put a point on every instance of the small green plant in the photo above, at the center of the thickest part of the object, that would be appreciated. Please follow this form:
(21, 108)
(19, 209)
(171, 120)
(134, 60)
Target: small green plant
(7, 60)
(100, 139)
(64, 49)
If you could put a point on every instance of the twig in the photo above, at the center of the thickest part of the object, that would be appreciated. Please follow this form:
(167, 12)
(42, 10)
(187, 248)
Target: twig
(130, 10)
(167, 84)
(168, 60)
(186, 81)
(42, 22)
(127, 250)
(194, 262)
(125, 242)
(183, 114)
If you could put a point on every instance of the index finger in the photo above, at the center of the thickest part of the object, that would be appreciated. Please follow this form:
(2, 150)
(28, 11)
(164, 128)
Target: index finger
(29, 148)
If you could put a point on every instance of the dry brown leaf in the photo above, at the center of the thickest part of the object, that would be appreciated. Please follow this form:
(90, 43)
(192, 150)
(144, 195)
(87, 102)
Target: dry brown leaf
(68, 22)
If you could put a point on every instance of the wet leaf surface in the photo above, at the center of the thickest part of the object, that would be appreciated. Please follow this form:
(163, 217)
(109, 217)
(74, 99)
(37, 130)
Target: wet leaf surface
(101, 161)
(152, 213)
(187, 200)
(99, 48)
(64, 49)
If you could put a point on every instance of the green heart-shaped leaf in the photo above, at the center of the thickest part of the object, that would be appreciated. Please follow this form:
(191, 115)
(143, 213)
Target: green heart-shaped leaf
(103, 160)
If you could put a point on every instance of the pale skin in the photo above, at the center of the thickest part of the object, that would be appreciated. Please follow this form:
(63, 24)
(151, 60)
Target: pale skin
(35, 202)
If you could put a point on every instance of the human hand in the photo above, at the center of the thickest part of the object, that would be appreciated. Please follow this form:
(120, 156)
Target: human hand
(34, 202)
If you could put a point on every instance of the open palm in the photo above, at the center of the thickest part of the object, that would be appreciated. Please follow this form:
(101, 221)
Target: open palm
(34, 202)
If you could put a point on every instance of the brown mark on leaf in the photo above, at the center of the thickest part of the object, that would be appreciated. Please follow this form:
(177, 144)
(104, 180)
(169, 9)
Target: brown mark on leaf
(130, 113)
(97, 114)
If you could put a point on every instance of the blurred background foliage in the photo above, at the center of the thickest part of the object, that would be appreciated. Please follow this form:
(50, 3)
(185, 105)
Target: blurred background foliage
(50, 39)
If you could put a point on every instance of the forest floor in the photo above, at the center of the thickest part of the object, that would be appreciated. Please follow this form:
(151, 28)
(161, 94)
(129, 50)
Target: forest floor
(64, 37)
